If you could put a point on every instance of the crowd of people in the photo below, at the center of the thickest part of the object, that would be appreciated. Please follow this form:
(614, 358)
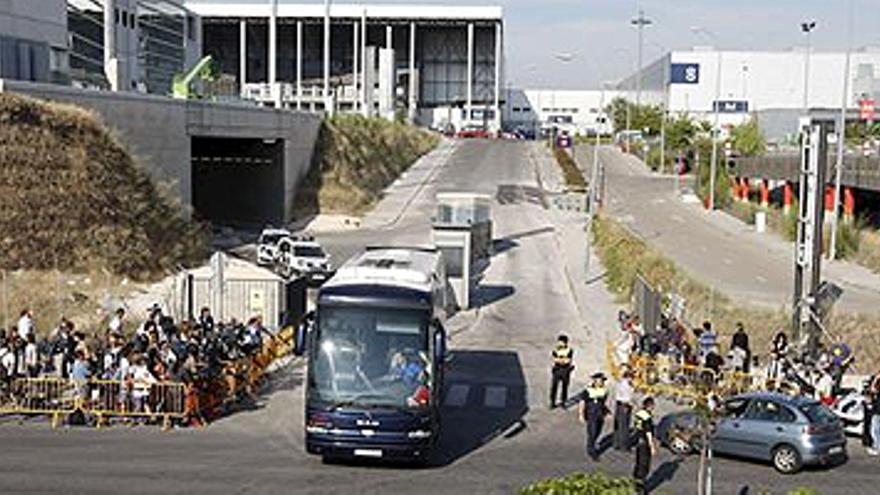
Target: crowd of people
(675, 347)
(135, 354)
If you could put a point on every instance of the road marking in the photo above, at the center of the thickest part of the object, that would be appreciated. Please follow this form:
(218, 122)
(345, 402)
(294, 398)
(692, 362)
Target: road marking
(457, 395)
(496, 397)
(727, 261)
(761, 279)
(677, 218)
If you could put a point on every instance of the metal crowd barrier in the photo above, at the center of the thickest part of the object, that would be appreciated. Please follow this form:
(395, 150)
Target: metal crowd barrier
(663, 376)
(58, 398)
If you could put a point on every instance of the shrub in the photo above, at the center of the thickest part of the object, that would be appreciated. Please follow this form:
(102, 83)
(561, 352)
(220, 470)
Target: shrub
(582, 484)
(849, 237)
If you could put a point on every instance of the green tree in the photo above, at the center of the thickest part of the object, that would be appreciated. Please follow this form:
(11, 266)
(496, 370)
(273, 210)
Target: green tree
(642, 117)
(748, 139)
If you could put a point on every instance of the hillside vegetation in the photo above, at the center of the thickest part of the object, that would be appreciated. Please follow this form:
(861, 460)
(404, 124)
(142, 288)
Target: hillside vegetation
(72, 197)
(358, 158)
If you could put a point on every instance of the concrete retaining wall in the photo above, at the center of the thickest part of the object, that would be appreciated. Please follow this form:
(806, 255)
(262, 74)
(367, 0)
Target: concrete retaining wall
(159, 131)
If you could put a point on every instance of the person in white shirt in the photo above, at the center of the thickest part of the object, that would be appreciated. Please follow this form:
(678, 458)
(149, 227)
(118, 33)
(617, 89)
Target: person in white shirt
(142, 381)
(623, 399)
(115, 324)
(31, 357)
(25, 324)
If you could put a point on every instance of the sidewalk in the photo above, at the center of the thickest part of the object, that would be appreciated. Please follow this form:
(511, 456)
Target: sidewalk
(596, 305)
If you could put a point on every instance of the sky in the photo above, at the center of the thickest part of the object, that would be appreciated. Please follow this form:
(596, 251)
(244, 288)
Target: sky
(604, 45)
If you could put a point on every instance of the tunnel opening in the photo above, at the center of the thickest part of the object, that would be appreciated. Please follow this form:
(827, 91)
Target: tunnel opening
(238, 182)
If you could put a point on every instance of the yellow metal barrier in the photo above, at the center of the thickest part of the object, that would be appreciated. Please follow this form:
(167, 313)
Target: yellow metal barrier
(663, 376)
(59, 397)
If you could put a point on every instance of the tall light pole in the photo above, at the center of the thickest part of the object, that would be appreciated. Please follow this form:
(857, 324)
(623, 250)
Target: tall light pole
(841, 132)
(327, 103)
(640, 23)
(713, 165)
(807, 28)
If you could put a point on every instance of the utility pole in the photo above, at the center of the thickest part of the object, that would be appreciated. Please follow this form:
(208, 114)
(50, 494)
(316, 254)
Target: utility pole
(841, 133)
(640, 23)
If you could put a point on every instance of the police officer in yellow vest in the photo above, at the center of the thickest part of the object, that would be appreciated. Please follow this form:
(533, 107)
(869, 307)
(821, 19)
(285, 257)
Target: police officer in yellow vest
(563, 364)
(592, 411)
(646, 445)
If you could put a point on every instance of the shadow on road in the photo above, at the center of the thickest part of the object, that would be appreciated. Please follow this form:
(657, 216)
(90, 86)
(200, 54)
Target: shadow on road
(664, 472)
(488, 294)
(491, 401)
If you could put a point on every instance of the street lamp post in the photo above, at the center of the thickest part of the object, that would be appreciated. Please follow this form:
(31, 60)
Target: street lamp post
(640, 23)
(841, 133)
(713, 165)
(807, 27)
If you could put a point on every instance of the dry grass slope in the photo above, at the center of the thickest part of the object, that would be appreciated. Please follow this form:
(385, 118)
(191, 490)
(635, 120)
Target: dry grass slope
(72, 197)
(358, 158)
(624, 256)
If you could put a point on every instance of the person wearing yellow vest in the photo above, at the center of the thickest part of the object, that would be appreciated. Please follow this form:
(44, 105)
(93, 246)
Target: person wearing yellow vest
(646, 445)
(592, 411)
(563, 364)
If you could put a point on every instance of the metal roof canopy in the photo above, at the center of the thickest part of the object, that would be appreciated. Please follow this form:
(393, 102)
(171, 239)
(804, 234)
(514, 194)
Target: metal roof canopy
(263, 8)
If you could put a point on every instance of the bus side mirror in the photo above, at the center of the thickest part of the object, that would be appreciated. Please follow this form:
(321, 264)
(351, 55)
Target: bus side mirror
(299, 343)
(439, 344)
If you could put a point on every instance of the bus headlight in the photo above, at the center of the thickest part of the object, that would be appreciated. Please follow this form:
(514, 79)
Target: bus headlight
(419, 434)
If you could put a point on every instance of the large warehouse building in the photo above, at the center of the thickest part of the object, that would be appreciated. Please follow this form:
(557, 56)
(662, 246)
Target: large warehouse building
(437, 65)
(741, 83)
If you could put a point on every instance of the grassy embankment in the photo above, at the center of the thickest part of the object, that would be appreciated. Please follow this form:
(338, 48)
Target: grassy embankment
(624, 255)
(78, 214)
(357, 158)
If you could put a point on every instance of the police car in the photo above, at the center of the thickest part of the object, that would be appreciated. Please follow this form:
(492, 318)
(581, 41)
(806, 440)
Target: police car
(267, 245)
(300, 256)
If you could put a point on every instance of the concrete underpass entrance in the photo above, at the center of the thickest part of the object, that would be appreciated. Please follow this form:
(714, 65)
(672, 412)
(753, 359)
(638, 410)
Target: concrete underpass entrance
(238, 181)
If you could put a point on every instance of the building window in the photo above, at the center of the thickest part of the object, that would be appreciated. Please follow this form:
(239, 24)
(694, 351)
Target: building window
(124, 19)
(116, 14)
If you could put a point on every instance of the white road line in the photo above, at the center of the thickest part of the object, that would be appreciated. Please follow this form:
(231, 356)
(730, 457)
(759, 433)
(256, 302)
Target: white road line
(457, 395)
(761, 279)
(727, 261)
(496, 397)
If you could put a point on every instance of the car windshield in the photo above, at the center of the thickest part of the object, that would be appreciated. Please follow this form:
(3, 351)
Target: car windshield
(371, 357)
(270, 238)
(817, 413)
(308, 252)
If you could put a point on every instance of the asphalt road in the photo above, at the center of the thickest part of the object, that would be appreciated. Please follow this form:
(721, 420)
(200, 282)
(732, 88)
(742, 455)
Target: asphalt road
(719, 250)
(498, 433)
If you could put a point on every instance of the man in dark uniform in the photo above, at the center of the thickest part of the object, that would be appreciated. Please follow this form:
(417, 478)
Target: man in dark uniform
(561, 371)
(646, 446)
(592, 411)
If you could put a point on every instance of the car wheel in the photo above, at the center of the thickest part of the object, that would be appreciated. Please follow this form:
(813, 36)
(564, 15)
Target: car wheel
(679, 446)
(786, 459)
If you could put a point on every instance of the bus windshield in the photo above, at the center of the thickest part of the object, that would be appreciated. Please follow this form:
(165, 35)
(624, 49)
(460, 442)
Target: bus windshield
(371, 356)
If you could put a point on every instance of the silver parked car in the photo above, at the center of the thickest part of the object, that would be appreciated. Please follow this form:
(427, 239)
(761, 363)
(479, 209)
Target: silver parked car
(790, 432)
